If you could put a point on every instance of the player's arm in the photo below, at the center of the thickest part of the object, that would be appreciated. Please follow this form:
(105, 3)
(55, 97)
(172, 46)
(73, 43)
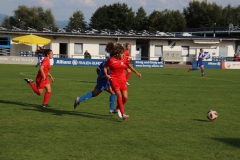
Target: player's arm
(105, 69)
(132, 69)
(51, 76)
(98, 71)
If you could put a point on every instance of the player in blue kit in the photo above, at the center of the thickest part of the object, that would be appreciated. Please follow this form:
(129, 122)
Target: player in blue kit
(199, 62)
(102, 85)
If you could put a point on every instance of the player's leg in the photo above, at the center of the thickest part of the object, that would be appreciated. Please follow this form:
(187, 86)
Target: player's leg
(111, 99)
(32, 85)
(129, 72)
(124, 97)
(86, 96)
(47, 93)
(202, 71)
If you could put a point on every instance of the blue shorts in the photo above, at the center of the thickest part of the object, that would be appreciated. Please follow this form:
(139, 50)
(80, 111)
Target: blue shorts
(102, 85)
(199, 64)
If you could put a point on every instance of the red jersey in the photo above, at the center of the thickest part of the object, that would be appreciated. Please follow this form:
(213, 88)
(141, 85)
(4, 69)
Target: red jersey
(126, 53)
(116, 67)
(235, 58)
(47, 66)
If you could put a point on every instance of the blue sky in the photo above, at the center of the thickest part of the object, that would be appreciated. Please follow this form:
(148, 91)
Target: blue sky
(63, 9)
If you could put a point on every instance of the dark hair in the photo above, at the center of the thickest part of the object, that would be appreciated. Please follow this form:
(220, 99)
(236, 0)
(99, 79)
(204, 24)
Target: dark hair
(127, 45)
(47, 52)
(114, 49)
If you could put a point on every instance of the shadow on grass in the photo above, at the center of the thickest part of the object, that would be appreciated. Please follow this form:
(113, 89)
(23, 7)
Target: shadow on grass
(230, 141)
(58, 112)
(87, 81)
(201, 120)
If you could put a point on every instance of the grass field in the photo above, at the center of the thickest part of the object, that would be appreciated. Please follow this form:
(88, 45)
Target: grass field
(167, 109)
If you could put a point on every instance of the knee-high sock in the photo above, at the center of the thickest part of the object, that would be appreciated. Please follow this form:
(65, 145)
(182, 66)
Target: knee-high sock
(202, 70)
(120, 105)
(46, 97)
(128, 75)
(86, 96)
(124, 100)
(112, 100)
(34, 88)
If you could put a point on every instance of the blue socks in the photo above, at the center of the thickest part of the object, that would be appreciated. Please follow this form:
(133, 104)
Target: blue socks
(193, 69)
(112, 100)
(86, 96)
(202, 70)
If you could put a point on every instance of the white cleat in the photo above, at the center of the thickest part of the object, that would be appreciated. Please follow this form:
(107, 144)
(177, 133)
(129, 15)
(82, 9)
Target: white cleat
(127, 83)
(119, 113)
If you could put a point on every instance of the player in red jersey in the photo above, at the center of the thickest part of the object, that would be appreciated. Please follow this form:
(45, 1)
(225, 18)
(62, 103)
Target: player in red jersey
(116, 64)
(128, 56)
(42, 80)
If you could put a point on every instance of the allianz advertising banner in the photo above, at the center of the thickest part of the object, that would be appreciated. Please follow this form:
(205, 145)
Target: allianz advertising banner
(149, 64)
(209, 64)
(77, 62)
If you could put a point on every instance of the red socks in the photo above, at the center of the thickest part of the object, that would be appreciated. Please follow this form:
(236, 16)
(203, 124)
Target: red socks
(46, 97)
(34, 88)
(120, 105)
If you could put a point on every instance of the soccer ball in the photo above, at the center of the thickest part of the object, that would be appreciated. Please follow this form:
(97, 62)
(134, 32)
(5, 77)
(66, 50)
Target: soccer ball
(212, 115)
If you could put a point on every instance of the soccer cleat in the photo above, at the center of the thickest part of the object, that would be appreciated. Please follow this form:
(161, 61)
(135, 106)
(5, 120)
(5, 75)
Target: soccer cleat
(127, 83)
(45, 105)
(28, 80)
(189, 69)
(76, 102)
(124, 117)
(203, 75)
(113, 111)
(119, 113)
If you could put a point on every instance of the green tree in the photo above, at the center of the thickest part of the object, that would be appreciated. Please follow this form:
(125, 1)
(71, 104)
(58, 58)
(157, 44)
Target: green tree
(167, 21)
(34, 17)
(77, 20)
(6, 22)
(202, 14)
(115, 16)
(141, 20)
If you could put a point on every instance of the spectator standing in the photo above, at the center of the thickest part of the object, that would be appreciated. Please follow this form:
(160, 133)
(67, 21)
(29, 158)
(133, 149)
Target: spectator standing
(87, 55)
(235, 58)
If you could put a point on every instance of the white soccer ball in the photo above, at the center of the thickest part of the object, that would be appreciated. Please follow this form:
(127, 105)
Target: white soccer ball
(212, 115)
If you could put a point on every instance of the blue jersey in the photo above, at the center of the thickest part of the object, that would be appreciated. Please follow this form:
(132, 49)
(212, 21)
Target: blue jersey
(101, 68)
(200, 55)
(102, 83)
(40, 57)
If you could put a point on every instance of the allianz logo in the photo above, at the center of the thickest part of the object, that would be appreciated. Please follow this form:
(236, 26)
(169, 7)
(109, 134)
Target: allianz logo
(214, 63)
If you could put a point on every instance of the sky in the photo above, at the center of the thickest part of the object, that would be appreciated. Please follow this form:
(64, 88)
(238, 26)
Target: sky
(63, 9)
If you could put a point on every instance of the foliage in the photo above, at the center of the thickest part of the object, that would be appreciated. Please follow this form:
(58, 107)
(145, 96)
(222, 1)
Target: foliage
(115, 16)
(202, 14)
(230, 15)
(6, 22)
(141, 20)
(76, 21)
(33, 17)
(167, 21)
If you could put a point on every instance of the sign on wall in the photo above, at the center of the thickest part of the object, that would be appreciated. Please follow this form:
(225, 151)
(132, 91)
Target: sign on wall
(230, 65)
(18, 60)
(150, 64)
(77, 62)
(209, 64)
(208, 54)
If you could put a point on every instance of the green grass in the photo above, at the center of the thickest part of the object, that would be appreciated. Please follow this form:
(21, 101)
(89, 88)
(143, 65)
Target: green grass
(167, 109)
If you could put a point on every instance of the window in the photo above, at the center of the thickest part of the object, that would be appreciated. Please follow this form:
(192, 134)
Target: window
(102, 49)
(185, 51)
(158, 51)
(78, 48)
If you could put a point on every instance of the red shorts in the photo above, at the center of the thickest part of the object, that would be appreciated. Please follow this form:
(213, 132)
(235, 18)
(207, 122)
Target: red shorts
(118, 85)
(41, 83)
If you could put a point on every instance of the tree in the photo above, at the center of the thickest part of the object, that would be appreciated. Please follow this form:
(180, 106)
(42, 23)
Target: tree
(141, 20)
(77, 20)
(167, 21)
(115, 16)
(34, 17)
(6, 22)
(202, 14)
